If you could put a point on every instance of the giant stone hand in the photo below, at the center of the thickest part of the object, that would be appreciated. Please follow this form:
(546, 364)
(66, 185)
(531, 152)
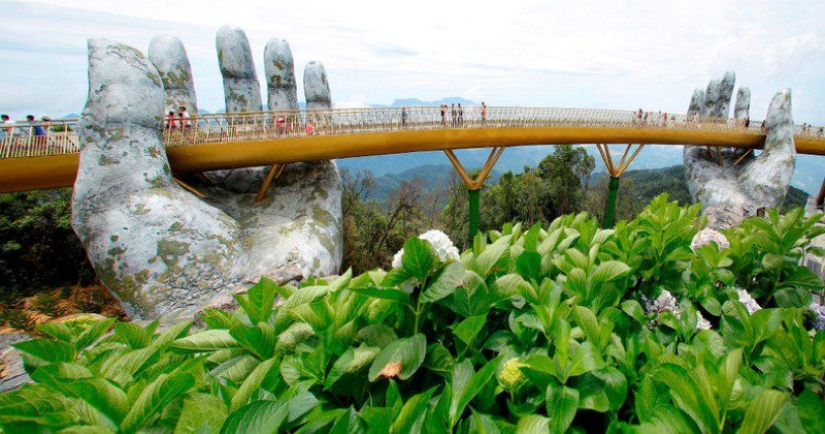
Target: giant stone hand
(162, 251)
(730, 192)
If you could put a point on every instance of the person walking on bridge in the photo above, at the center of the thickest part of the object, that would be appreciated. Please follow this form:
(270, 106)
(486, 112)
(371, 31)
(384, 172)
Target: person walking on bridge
(403, 117)
(443, 115)
(453, 114)
(460, 115)
(483, 114)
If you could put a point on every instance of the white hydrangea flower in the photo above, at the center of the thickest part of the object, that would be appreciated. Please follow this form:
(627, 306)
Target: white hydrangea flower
(819, 310)
(701, 322)
(746, 299)
(396, 260)
(705, 236)
(663, 303)
(443, 246)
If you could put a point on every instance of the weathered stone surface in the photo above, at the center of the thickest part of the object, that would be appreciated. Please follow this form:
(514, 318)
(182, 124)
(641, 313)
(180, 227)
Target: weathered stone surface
(162, 251)
(155, 246)
(717, 96)
(696, 102)
(168, 55)
(282, 90)
(729, 192)
(743, 103)
(240, 83)
(316, 87)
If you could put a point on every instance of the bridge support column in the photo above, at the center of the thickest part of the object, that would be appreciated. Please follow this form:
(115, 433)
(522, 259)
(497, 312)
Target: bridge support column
(474, 196)
(274, 172)
(474, 185)
(615, 172)
(612, 193)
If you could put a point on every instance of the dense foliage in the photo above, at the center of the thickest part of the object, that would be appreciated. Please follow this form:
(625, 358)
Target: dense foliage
(651, 327)
(38, 248)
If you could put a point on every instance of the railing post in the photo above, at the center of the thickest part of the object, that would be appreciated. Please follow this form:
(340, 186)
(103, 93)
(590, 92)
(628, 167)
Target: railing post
(610, 210)
(474, 196)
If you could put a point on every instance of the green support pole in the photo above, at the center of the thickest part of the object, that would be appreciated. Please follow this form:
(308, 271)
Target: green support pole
(610, 211)
(473, 213)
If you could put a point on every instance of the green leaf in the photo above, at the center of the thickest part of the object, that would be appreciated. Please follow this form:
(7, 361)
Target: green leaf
(439, 360)
(135, 336)
(391, 294)
(589, 324)
(608, 271)
(219, 319)
(400, 358)
(352, 361)
(46, 350)
(528, 266)
(259, 340)
(533, 424)
(811, 408)
(792, 297)
(476, 383)
(157, 395)
(496, 253)
(251, 384)
(763, 411)
(259, 300)
(258, 417)
(645, 400)
(412, 414)
(803, 277)
(561, 403)
(205, 341)
(482, 424)
(376, 335)
(292, 336)
(418, 258)
(468, 329)
(201, 413)
(443, 283)
(102, 395)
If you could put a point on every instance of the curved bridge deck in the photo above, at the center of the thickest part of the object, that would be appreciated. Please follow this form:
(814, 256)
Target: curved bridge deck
(222, 141)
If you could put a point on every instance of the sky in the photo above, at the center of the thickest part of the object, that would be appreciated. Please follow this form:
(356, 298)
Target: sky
(583, 54)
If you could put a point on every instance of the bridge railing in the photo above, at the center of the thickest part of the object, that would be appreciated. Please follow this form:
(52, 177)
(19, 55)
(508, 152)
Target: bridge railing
(59, 136)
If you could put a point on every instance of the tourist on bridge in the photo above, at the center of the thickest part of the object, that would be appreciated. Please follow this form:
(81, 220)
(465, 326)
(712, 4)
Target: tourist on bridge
(172, 121)
(483, 114)
(460, 115)
(444, 114)
(185, 119)
(403, 117)
(310, 128)
(8, 127)
(453, 113)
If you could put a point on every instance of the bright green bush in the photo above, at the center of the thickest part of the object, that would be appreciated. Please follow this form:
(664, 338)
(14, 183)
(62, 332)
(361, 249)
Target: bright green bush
(568, 327)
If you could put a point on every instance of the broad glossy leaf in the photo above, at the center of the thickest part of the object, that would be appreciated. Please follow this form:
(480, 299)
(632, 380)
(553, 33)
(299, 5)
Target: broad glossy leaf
(156, 396)
(811, 408)
(293, 335)
(258, 417)
(219, 319)
(392, 294)
(477, 382)
(135, 336)
(400, 358)
(251, 384)
(482, 424)
(258, 301)
(205, 341)
(47, 350)
(418, 258)
(201, 413)
(412, 413)
(493, 256)
(562, 403)
(259, 340)
(533, 424)
(763, 411)
(528, 266)
(468, 329)
(352, 361)
(443, 284)
(608, 271)
(376, 335)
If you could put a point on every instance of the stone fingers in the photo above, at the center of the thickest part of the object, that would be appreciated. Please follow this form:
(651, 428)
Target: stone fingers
(280, 76)
(168, 55)
(767, 177)
(316, 87)
(240, 83)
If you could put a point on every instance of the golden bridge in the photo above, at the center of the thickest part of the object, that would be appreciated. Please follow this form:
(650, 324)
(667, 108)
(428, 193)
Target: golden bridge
(225, 141)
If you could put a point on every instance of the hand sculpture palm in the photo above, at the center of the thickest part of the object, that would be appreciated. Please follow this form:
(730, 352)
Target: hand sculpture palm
(730, 192)
(161, 250)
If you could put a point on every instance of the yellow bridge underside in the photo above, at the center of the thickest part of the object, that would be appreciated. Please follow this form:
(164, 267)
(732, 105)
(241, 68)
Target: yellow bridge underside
(22, 174)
